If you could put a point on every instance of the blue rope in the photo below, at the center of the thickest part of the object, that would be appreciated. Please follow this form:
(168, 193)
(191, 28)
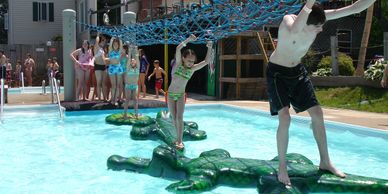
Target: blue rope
(208, 22)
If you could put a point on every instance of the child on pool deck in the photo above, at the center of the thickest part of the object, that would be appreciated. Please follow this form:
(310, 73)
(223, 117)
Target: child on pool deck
(183, 71)
(158, 71)
(131, 80)
(115, 70)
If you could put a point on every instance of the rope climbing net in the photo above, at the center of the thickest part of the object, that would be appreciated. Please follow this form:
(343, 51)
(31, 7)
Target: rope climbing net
(212, 21)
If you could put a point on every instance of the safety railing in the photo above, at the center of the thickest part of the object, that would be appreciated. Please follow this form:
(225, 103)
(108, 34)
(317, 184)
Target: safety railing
(44, 87)
(55, 91)
(22, 78)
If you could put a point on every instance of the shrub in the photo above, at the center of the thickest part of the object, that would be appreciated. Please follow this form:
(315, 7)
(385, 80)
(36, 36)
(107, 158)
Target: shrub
(375, 71)
(323, 72)
(311, 60)
(345, 64)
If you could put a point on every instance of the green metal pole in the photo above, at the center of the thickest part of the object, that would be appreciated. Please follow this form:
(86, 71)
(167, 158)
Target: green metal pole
(166, 58)
(212, 77)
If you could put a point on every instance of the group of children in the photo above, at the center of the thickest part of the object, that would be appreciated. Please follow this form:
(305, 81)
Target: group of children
(14, 78)
(104, 66)
(127, 67)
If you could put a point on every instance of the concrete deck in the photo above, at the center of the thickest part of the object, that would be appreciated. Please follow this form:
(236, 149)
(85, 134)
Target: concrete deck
(373, 120)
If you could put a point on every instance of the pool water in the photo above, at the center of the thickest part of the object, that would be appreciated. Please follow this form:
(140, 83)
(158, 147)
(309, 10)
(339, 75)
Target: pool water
(30, 90)
(40, 154)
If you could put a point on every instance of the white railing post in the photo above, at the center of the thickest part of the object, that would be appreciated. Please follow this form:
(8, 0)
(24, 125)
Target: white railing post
(43, 87)
(59, 86)
(52, 89)
(22, 75)
(60, 108)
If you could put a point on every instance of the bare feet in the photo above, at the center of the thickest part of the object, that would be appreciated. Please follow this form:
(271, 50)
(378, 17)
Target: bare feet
(179, 146)
(330, 167)
(283, 175)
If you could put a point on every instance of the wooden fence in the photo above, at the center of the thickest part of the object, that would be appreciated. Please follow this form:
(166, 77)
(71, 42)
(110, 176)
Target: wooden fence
(40, 53)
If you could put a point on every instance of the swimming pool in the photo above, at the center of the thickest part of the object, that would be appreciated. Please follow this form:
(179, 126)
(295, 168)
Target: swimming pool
(40, 154)
(30, 90)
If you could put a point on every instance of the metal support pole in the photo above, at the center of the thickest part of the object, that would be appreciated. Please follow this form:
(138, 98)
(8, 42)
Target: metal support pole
(334, 55)
(165, 5)
(166, 58)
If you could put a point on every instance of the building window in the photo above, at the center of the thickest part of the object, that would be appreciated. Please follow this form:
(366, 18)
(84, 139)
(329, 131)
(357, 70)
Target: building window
(42, 11)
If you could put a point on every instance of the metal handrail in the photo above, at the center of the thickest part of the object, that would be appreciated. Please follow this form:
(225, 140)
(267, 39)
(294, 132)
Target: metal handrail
(55, 87)
(2, 100)
(22, 75)
(43, 87)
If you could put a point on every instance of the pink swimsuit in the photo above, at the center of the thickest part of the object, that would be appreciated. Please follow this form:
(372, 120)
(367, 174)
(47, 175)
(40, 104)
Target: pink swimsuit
(86, 60)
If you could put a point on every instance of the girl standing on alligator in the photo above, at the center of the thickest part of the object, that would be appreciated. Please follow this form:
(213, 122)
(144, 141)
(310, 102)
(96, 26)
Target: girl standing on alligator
(185, 68)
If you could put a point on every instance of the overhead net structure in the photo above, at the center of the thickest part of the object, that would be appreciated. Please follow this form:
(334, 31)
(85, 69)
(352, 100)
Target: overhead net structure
(212, 21)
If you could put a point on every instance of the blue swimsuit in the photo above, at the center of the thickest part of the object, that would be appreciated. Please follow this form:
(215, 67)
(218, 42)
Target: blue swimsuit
(115, 69)
(132, 73)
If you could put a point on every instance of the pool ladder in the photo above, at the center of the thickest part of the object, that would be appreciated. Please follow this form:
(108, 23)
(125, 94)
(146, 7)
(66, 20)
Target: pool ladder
(55, 99)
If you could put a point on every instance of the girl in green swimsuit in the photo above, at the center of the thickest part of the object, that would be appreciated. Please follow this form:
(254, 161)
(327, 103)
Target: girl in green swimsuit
(131, 80)
(185, 68)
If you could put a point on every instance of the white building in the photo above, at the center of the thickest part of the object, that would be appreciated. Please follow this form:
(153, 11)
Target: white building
(38, 21)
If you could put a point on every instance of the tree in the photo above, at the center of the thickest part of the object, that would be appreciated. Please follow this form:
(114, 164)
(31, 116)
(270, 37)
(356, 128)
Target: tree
(364, 41)
(379, 26)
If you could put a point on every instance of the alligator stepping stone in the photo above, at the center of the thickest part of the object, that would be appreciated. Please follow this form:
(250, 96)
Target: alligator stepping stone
(118, 119)
(216, 167)
(163, 129)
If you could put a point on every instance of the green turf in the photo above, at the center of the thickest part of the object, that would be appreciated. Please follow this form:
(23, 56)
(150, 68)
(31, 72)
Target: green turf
(355, 98)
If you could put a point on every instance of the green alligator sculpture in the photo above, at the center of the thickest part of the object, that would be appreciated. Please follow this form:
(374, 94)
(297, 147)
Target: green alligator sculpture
(164, 130)
(118, 119)
(216, 167)
(146, 128)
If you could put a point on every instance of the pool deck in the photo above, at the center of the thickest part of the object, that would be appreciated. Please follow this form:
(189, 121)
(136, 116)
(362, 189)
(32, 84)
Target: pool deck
(367, 119)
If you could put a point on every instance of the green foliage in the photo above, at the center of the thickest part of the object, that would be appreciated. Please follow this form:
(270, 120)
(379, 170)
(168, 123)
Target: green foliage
(384, 9)
(376, 34)
(355, 98)
(323, 72)
(377, 29)
(310, 61)
(57, 38)
(345, 64)
(375, 72)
